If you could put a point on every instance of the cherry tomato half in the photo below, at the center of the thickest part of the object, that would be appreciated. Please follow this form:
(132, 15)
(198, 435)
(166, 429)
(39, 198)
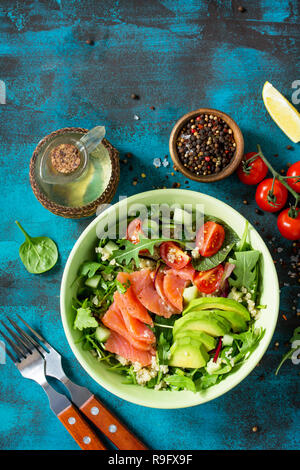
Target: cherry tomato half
(209, 281)
(289, 227)
(210, 238)
(134, 230)
(173, 255)
(280, 193)
(294, 170)
(253, 172)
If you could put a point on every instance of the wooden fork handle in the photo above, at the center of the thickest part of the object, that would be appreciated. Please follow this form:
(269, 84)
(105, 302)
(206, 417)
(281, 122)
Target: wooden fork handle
(79, 429)
(109, 424)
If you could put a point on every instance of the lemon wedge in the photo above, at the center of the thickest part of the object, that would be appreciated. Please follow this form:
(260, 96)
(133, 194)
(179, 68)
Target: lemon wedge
(282, 112)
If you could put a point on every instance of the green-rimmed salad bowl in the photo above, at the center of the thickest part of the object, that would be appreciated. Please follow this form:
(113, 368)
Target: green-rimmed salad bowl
(84, 249)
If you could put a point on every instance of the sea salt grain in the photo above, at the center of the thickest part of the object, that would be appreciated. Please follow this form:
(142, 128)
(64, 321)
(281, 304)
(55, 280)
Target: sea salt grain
(157, 162)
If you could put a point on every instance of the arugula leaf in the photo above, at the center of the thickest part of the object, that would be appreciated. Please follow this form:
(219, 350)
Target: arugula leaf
(243, 345)
(243, 245)
(130, 251)
(89, 268)
(163, 347)
(294, 339)
(206, 381)
(231, 238)
(122, 288)
(244, 271)
(223, 370)
(165, 326)
(181, 382)
(255, 284)
(84, 318)
(163, 329)
(249, 340)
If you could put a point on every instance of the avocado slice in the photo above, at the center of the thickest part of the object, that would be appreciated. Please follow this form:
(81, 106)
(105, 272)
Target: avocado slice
(206, 321)
(188, 354)
(221, 303)
(237, 323)
(208, 341)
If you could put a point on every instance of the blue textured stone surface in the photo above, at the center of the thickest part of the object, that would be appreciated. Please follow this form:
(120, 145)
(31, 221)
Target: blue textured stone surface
(177, 56)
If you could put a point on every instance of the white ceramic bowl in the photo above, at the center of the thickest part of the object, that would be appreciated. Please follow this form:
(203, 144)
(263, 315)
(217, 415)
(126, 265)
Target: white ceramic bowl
(84, 249)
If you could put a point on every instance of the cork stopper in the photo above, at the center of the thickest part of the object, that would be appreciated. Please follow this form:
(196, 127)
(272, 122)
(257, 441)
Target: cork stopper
(65, 158)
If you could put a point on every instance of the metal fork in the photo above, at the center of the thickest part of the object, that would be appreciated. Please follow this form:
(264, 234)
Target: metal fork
(31, 365)
(88, 403)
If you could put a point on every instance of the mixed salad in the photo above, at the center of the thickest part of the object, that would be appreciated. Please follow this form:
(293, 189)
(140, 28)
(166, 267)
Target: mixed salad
(171, 309)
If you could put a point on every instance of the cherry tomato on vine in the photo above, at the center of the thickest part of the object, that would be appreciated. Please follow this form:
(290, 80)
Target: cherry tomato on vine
(289, 226)
(210, 238)
(294, 170)
(252, 172)
(264, 198)
(209, 281)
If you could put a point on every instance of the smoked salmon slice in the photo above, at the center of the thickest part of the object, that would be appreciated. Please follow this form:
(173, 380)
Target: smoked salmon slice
(159, 286)
(117, 344)
(174, 286)
(135, 327)
(114, 320)
(129, 302)
(144, 289)
(187, 273)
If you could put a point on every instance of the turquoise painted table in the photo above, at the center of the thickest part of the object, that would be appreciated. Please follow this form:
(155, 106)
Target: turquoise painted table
(177, 56)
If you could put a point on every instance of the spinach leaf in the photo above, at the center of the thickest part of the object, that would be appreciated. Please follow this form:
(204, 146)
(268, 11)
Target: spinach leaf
(181, 382)
(84, 318)
(38, 254)
(231, 238)
(245, 269)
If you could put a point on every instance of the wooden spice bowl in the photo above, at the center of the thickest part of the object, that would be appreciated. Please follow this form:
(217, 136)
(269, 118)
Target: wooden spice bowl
(235, 160)
(85, 210)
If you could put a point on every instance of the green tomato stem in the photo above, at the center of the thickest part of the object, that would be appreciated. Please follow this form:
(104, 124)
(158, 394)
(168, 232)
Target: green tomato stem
(276, 175)
(293, 212)
(28, 238)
